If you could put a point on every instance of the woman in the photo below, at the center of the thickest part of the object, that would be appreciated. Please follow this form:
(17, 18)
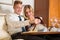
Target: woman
(29, 14)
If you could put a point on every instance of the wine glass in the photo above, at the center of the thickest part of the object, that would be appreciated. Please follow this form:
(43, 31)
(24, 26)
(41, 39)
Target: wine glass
(54, 21)
(58, 23)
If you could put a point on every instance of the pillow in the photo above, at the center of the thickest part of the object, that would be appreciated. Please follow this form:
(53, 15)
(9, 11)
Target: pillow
(4, 35)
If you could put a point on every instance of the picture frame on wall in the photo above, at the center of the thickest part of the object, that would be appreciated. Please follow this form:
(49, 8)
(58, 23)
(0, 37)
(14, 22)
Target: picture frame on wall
(7, 2)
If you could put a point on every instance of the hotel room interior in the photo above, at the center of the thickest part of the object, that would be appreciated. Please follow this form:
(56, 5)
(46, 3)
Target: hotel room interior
(49, 10)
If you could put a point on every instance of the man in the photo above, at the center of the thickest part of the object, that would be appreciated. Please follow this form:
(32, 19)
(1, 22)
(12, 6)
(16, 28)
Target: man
(16, 23)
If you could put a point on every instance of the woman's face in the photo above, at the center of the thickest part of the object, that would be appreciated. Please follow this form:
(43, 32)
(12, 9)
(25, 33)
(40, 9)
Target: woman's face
(29, 12)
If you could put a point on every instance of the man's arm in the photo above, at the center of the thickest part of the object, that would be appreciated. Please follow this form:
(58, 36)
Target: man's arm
(19, 23)
(10, 21)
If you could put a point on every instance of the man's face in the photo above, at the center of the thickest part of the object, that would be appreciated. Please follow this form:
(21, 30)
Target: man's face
(18, 8)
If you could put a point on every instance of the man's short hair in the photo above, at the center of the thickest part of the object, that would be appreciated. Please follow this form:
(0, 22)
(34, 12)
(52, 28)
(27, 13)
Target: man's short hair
(17, 2)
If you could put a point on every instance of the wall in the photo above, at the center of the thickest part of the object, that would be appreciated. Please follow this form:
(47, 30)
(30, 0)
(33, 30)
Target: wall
(42, 10)
(9, 8)
(54, 9)
(59, 8)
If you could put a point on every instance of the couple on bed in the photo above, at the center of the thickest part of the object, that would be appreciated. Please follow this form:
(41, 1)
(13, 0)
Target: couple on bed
(18, 23)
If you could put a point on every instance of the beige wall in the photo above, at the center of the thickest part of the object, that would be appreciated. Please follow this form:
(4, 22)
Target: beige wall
(9, 8)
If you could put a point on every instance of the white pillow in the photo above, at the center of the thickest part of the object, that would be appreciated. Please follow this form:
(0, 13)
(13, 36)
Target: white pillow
(54, 29)
(4, 34)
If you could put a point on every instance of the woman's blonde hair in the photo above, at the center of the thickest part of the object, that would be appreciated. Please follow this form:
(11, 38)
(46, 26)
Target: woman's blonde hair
(29, 7)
